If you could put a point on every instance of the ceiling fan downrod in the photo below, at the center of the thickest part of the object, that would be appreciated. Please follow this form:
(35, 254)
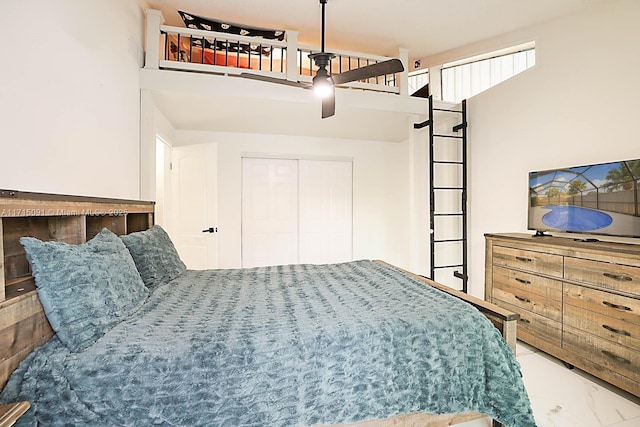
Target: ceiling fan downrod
(323, 3)
(322, 81)
(322, 58)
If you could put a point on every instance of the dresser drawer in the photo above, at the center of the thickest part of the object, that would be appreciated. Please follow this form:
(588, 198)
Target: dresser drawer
(613, 276)
(506, 278)
(529, 301)
(607, 304)
(620, 359)
(533, 328)
(536, 262)
(605, 327)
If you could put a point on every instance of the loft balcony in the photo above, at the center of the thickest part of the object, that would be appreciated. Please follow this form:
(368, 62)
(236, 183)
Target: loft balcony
(209, 81)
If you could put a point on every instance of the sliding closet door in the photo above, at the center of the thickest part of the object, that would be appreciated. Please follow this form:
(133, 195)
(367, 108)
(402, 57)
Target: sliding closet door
(325, 211)
(296, 211)
(269, 212)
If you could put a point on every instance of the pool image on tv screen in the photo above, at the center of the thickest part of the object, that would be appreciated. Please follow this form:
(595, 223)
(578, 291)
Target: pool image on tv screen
(601, 198)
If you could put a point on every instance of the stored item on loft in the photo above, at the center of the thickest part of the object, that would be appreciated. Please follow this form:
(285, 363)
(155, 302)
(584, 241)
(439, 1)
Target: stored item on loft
(324, 83)
(602, 198)
(203, 23)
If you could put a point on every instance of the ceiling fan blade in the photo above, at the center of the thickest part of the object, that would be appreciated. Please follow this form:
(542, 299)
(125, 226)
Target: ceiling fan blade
(329, 104)
(379, 69)
(274, 80)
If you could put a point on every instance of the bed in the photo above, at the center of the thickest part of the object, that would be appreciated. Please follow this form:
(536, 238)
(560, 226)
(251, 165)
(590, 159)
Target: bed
(141, 340)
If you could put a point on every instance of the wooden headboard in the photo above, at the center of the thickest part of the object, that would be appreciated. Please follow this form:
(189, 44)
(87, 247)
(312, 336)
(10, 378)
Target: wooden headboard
(48, 217)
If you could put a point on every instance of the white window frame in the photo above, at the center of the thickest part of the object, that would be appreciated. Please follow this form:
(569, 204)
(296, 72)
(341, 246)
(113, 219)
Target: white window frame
(468, 77)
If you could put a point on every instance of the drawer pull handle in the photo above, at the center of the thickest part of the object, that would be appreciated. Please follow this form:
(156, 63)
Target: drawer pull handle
(616, 357)
(616, 331)
(525, 321)
(618, 277)
(523, 281)
(616, 306)
(523, 259)
(523, 299)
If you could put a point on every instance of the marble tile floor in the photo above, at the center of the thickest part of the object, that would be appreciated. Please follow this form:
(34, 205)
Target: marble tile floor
(562, 397)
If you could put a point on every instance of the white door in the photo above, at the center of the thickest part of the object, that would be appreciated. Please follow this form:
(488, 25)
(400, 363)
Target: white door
(325, 211)
(296, 211)
(269, 212)
(194, 201)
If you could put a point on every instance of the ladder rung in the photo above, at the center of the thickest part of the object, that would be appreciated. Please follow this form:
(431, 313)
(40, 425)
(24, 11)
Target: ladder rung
(447, 136)
(448, 162)
(447, 110)
(448, 266)
(448, 214)
(448, 188)
(449, 240)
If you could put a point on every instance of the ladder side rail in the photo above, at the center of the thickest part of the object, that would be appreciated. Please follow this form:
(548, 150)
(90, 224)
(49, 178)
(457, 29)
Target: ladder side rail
(465, 264)
(432, 198)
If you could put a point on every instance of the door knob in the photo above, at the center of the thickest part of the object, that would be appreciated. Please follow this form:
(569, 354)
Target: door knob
(211, 230)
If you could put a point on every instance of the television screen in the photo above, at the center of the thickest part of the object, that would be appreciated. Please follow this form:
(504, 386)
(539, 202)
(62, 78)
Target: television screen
(601, 199)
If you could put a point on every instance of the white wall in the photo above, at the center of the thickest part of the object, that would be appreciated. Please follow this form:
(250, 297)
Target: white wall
(160, 183)
(578, 105)
(69, 96)
(381, 218)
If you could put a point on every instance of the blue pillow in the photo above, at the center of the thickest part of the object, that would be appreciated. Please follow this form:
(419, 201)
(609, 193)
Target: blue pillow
(85, 289)
(155, 256)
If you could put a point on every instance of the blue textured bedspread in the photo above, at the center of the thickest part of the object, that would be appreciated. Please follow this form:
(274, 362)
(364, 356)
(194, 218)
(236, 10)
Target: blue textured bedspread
(279, 346)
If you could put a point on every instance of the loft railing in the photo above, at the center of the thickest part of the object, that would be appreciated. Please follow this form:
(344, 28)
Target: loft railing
(189, 49)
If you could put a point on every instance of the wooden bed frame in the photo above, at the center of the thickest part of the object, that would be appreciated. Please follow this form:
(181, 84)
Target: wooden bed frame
(75, 219)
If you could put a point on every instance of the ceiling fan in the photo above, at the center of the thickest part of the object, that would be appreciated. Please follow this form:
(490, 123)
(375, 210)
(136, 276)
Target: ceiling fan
(323, 83)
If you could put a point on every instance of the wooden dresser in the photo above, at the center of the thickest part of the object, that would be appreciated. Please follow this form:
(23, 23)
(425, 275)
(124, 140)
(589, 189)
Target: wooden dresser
(578, 301)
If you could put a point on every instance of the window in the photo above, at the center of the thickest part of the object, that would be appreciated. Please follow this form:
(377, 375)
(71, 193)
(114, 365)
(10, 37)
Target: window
(468, 77)
(417, 79)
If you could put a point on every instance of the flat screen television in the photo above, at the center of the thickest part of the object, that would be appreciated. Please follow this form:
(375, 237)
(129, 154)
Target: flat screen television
(601, 199)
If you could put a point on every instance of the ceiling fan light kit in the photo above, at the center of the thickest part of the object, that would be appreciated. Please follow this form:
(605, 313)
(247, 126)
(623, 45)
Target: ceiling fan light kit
(322, 82)
(323, 85)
